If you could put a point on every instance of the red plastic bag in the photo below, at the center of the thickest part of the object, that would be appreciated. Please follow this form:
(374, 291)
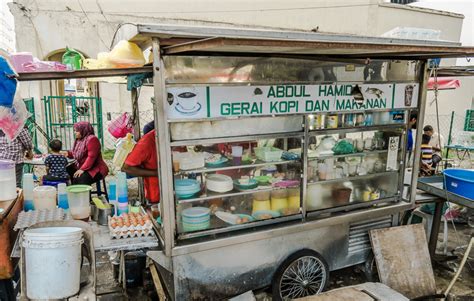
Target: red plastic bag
(121, 126)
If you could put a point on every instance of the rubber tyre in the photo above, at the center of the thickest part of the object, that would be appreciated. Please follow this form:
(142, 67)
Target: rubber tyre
(277, 277)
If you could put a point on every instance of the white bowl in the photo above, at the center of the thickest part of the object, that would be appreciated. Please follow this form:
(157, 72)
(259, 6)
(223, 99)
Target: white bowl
(219, 183)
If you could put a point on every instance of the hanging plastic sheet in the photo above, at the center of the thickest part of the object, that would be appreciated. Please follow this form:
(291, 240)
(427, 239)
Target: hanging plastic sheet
(8, 83)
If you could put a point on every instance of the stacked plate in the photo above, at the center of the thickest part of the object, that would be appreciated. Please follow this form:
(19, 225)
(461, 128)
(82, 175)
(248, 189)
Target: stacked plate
(186, 188)
(196, 218)
(219, 183)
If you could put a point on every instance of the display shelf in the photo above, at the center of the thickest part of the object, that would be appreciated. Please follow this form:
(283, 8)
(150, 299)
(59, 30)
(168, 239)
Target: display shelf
(357, 129)
(361, 154)
(244, 138)
(209, 195)
(257, 163)
(229, 228)
(355, 178)
(351, 206)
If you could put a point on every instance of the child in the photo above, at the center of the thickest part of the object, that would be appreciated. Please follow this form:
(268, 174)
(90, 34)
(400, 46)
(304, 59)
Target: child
(426, 162)
(56, 163)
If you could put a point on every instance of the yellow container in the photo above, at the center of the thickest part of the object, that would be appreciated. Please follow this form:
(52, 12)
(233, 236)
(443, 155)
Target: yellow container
(261, 205)
(279, 204)
(293, 198)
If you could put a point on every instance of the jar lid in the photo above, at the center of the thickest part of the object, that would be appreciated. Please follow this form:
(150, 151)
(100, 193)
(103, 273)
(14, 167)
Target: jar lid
(78, 188)
(6, 164)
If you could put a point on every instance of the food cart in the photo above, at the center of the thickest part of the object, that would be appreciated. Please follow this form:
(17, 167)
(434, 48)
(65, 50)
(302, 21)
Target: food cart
(319, 122)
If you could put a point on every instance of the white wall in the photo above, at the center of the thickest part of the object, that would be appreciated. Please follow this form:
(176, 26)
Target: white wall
(88, 25)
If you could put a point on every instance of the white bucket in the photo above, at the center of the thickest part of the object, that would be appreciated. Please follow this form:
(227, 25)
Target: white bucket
(53, 262)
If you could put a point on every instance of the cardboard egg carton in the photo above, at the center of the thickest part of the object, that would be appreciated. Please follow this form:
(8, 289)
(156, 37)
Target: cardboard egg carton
(130, 225)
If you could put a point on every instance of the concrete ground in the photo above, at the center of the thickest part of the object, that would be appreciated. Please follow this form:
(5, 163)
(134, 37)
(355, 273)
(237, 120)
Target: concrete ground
(462, 290)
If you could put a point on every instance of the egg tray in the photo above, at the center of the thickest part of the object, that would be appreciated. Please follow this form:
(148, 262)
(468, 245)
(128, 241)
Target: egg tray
(28, 219)
(130, 231)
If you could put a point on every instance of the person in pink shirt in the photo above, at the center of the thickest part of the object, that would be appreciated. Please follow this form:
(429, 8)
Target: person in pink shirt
(89, 166)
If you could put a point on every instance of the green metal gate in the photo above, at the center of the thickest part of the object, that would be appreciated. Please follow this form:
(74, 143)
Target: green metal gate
(31, 122)
(62, 112)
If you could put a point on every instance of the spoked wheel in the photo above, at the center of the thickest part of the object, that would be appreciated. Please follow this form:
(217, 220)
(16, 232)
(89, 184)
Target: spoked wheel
(304, 273)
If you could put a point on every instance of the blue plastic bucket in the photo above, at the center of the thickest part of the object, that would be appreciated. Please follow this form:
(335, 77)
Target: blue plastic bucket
(460, 182)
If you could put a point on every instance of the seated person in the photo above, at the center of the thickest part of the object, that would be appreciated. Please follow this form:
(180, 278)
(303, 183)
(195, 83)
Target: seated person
(56, 163)
(426, 162)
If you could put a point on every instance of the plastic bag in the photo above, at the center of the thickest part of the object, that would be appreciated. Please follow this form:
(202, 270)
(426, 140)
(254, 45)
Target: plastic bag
(8, 83)
(343, 147)
(122, 148)
(126, 54)
(121, 126)
(12, 120)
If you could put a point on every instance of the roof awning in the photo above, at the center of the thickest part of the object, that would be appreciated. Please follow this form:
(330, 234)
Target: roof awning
(443, 83)
(214, 39)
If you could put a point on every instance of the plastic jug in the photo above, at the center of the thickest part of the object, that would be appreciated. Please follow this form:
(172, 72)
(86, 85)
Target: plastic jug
(78, 198)
(123, 147)
(72, 59)
(62, 197)
(28, 186)
(44, 197)
(7, 180)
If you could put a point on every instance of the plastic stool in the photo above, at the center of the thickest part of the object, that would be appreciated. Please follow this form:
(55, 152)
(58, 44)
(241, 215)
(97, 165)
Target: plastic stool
(428, 222)
(53, 183)
(99, 190)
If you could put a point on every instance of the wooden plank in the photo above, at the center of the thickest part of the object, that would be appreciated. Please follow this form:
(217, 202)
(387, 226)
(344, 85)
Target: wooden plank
(403, 260)
(343, 294)
(156, 280)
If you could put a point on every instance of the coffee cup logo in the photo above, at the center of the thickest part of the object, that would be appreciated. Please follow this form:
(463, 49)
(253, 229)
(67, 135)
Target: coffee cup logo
(188, 103)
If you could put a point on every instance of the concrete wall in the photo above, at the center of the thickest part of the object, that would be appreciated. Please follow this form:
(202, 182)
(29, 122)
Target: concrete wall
(43, 27)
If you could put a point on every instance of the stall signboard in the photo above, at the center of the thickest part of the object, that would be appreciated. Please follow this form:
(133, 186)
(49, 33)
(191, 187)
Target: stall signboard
(198, 102)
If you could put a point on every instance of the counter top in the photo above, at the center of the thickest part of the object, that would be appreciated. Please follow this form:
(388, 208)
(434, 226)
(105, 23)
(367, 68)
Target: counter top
(6, 206)
(434, 186)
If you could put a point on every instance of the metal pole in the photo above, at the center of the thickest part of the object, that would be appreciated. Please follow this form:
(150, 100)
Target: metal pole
(137, 127)
(435, 227)
(449, 139)
(419, 132)
(163, 139)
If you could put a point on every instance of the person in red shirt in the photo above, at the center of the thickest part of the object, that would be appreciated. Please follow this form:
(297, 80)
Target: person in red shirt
(143, 162)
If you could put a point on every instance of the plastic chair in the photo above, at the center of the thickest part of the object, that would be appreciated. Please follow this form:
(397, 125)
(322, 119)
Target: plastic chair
(427, 224)
(101, 191)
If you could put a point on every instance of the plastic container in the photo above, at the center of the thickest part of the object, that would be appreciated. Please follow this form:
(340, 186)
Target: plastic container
(294, 198)
(123, 147)
(122, 208)
(62, 197)
(46, 252)
(44, 197)
(268, 154)
(28, 186)
(7, 180)
(79, 198)
(122, 188)
(460, 182)
(279, 200)
(261, 201)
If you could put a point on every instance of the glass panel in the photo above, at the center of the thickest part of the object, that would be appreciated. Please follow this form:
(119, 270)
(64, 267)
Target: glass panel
(224, 185)
(206, 70)
(351, 167)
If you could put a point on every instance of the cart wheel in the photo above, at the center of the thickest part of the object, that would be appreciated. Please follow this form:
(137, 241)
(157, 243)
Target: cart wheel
(302, 274)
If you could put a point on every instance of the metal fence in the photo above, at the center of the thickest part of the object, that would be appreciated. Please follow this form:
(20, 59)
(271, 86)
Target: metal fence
(445, 121)
(62, 112)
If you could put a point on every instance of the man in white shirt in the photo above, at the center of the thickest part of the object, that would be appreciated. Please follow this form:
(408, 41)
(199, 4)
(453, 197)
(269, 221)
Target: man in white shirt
(436, 142)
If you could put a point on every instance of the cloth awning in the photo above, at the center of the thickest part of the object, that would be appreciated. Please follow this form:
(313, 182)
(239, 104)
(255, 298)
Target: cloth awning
(444, 83)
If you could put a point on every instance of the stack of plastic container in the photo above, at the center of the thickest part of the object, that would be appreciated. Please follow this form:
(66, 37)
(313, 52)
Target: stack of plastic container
(28, 185)
(122, 193)
(62, 197)
(113, 194)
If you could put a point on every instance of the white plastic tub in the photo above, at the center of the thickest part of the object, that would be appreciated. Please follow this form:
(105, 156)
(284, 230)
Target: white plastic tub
(53, 262)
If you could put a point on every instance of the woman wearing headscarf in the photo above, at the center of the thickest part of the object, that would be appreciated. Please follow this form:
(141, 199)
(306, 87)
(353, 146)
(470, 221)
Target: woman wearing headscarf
(89, 167)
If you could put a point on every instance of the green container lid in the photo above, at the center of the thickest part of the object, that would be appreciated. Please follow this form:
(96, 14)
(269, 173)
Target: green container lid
(78, 188)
